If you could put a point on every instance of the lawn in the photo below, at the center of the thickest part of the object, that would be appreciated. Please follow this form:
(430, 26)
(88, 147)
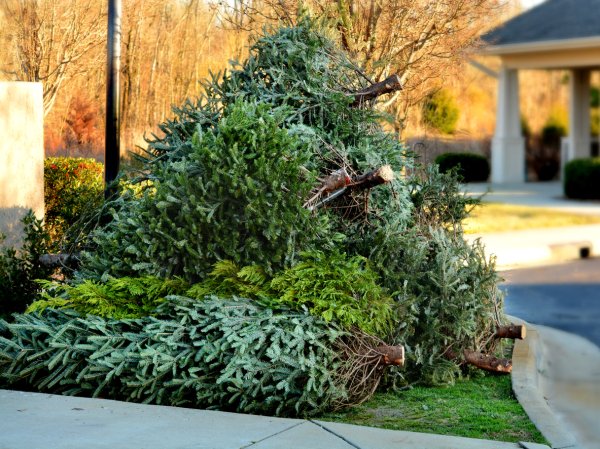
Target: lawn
(483, 407)
(496, 217)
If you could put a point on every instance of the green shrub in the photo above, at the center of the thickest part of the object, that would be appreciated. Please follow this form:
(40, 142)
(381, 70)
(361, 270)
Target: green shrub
(594, 97)
(470, 167)
(19, 268)
(582, 178)
(594, 122)
(441, 112)
(554, 128)
(72, 186)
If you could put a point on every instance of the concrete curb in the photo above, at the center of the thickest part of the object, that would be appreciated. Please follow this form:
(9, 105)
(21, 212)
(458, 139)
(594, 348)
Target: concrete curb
(528, 357)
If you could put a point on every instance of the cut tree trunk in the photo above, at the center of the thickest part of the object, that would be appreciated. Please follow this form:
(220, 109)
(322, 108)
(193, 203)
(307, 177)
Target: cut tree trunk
(511, 331)
(488, 362)
(391, 355)
(388, 85)
(381, 175)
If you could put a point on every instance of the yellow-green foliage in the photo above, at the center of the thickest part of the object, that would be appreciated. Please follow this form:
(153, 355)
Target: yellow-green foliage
(117, 298)
(337, 287)
(334, 287)
(227, 279)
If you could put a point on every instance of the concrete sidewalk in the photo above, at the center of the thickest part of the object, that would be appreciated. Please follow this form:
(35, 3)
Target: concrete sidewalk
(43, 421)
(538, 246)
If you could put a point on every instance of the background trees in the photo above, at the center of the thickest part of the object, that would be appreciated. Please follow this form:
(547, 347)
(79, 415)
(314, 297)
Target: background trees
(169, 46)
(420, 40)
(45, 40)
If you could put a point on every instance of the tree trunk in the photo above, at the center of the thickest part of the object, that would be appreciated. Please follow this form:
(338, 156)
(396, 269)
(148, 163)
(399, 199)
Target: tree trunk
(381, 175)
(511, 331)
(487, 362)
(388, 85)
(392, 355)
(339, 184)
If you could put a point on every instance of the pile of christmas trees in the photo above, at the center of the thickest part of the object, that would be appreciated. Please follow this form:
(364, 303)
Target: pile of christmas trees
(277, 257)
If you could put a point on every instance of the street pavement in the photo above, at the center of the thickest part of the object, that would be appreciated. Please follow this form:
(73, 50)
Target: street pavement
(564, 296)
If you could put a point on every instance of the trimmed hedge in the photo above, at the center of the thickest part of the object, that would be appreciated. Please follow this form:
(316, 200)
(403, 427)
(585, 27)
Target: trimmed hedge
(470, 167)
(71, 186)
(582, 179)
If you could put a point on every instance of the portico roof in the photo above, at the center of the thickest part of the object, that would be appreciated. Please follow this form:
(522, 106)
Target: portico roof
(558, 34)
(555, 26)
(553, 20)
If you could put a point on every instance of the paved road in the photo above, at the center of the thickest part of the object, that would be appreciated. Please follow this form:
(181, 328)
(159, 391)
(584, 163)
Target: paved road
(565, 296)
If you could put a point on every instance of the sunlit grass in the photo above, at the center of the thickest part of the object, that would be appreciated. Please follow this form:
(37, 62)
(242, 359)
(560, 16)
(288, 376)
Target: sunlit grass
(483, 408)
(494, 217)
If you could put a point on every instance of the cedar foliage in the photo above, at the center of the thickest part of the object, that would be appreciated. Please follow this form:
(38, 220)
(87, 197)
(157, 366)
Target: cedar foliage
(118, 298)
(333, 287)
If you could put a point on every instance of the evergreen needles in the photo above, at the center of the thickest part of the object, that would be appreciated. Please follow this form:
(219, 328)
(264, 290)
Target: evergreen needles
(219, 354)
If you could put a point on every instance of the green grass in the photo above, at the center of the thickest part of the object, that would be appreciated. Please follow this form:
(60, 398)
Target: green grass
(483, 407)
(496, 217)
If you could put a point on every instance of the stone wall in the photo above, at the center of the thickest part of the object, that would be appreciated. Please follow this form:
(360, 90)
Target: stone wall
(21, 156)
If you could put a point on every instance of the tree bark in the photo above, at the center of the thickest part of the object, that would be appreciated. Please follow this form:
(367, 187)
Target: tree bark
(381, 175)
(391, 355)
(511, 331)
(388, 85)
(344, 185)
(487, 362)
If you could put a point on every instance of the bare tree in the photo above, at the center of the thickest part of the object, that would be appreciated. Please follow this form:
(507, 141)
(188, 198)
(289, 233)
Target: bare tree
(418, 40)
(46, 40)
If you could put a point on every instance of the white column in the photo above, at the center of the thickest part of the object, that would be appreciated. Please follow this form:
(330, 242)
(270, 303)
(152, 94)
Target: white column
(508, 144)
(579, 142)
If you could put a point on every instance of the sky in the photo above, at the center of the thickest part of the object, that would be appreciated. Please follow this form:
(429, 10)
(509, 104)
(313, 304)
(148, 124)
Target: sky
(530, 3)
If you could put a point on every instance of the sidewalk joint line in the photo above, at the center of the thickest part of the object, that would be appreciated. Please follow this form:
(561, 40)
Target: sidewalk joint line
(336, 434)
(271, 436)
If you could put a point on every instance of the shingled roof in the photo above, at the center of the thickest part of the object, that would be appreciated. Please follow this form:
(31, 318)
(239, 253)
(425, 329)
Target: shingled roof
(550, 21)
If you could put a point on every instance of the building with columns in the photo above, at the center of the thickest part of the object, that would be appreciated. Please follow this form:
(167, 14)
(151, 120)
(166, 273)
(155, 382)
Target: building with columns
(555, 35)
